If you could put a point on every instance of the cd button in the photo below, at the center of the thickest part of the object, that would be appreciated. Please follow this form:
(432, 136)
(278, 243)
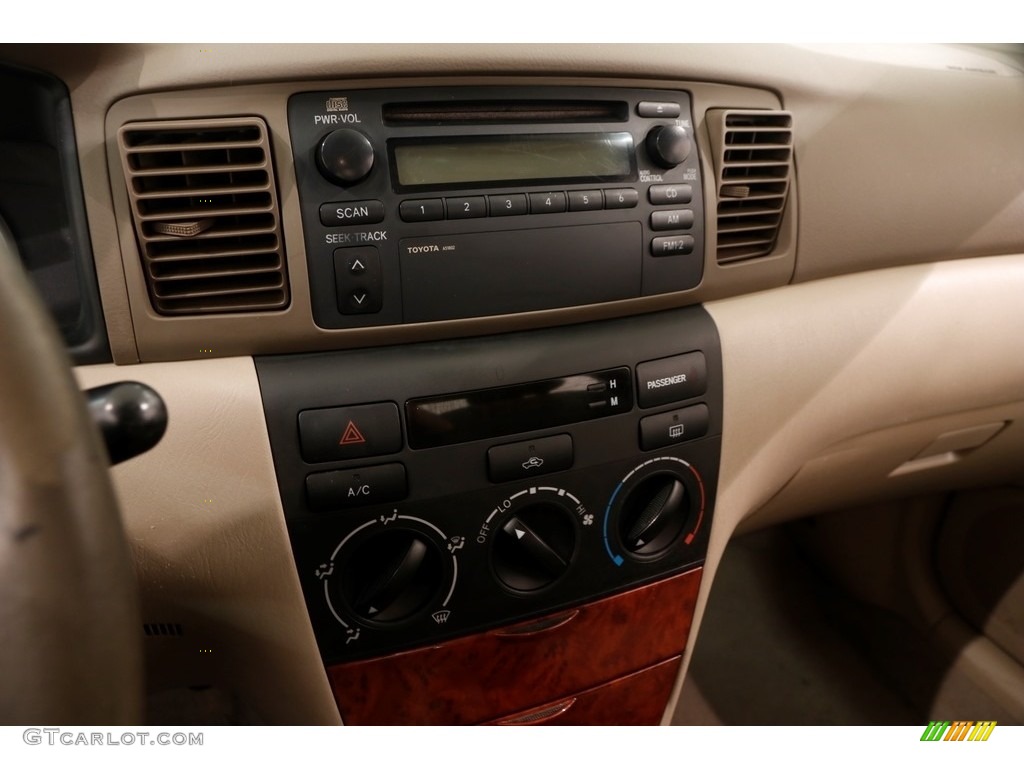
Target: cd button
(466, 207)
(547, 202)
(658, 109)
(671, 246)
(421, 210)
(670, 194)
(507, 205)
(681, 219)
(586, 200)
(621, 198)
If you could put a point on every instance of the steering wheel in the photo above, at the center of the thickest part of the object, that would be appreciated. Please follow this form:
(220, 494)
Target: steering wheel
(70, 636)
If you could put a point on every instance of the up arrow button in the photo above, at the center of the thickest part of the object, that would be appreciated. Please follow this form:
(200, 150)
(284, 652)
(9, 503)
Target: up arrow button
(357, 267)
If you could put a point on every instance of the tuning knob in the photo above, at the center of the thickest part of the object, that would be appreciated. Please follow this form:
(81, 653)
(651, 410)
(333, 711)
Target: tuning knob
(345, 156)
(392, 577)
(669, 145)
(653, 515)
(534, 547)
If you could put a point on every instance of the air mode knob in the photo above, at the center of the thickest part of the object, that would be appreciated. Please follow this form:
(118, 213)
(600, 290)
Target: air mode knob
(344, 156)
(392, 577)
(669, 145)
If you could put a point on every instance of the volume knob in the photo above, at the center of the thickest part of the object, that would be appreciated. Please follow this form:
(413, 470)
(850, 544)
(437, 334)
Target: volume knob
(345, 156)
(669, 145)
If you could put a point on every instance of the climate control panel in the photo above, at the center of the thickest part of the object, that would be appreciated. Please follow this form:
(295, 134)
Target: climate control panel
(436, 490)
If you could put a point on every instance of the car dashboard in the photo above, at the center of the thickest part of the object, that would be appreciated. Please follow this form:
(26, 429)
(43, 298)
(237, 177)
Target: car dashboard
(476, 359)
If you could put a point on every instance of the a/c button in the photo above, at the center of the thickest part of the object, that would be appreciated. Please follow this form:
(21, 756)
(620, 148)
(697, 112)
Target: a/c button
(342, 489)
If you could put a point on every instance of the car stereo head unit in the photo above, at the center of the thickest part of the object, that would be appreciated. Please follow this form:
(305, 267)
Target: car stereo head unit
(440, 204)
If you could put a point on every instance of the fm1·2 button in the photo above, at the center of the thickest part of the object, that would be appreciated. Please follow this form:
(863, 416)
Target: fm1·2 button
(671, 246)
(343, 489)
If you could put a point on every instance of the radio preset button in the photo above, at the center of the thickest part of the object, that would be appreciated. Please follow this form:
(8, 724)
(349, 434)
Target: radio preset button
(586, 200)
(672, 246)
(547, 202)
(658, 109)
(670, 194)
(680, 219)
(507, 205)
(466, 207)
(421, 210)
(621, 198)
(351, 214)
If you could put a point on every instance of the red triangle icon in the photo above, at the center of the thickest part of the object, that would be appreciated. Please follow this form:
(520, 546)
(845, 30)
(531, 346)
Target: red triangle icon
(352, 435)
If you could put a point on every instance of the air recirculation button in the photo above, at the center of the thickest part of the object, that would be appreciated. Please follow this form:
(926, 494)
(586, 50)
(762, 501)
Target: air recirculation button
(653, 515)
(392, 577)
(534, 547)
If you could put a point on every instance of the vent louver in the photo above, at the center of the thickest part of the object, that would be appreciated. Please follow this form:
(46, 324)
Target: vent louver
(753, 161)
(206, 214)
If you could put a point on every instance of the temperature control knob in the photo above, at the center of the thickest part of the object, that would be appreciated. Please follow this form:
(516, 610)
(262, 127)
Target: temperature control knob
(392, 576)
(669, 145)
(534, 546)
(345, 156)
(653, 515)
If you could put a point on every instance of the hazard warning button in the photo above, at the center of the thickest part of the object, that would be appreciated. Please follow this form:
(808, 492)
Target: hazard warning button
(351, 432)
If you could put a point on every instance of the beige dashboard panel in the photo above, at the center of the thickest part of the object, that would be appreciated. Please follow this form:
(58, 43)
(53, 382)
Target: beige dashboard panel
(204, 521)
(888, 360)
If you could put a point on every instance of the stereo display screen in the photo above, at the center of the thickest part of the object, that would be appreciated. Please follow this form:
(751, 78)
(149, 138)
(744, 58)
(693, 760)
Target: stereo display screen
(494, 160)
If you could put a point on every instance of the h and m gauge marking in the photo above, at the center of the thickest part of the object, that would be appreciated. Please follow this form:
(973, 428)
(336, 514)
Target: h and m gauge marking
(383, 521)
(670, 468)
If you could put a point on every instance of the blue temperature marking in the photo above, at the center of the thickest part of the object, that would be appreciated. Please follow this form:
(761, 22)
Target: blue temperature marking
(617, 559)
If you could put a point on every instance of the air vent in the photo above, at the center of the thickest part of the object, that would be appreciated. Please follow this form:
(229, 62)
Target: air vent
(163, 630)
(753, 161)
(206, 214)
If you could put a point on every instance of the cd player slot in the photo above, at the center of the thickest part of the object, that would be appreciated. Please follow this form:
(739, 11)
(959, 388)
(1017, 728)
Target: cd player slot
(504, 112)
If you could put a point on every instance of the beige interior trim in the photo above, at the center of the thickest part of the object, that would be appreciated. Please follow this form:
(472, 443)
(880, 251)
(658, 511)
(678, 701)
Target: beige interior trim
(811, 367)
(204, 520)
